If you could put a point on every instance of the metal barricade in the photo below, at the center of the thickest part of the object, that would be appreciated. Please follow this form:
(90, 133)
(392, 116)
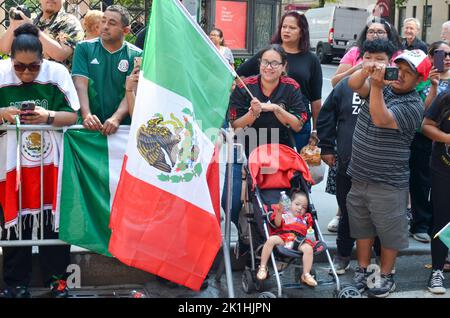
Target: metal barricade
(40, 241)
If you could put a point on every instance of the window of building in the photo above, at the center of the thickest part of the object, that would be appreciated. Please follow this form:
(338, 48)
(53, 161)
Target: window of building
(414, 13)
(401, 17)
(427, 16)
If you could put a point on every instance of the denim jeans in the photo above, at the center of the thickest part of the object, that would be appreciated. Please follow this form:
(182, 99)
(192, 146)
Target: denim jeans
(302, 137)
(236, 188)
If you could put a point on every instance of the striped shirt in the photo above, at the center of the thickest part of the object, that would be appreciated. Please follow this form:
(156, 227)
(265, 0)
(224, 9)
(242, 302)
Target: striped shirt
(382, 154)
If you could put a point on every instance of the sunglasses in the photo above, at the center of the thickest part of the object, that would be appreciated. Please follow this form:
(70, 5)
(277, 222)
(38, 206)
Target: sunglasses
(446, 54)
(33, 67)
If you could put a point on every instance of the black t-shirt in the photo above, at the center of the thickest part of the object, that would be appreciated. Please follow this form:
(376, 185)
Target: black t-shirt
(303, 67)
(286, 94)
(440, 156)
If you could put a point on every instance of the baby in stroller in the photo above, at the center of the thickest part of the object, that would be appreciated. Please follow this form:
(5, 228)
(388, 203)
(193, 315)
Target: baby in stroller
(289, 228)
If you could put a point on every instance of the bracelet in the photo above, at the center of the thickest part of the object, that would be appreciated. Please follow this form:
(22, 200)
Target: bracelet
(253, 114)
(314, 131)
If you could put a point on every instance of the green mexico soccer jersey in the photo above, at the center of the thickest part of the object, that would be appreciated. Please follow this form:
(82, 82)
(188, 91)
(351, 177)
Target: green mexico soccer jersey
(53, 88)
(106, 72)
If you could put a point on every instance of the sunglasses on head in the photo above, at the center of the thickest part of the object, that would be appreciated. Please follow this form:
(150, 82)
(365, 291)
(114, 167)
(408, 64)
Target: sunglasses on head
(33, 67)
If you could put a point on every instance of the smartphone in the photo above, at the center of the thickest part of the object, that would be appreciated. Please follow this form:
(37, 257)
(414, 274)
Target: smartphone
(138, 61)
(438, 60)
(391, 73)
(27, 106)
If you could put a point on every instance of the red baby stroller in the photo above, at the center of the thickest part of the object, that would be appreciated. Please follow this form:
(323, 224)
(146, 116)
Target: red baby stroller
(274, 168)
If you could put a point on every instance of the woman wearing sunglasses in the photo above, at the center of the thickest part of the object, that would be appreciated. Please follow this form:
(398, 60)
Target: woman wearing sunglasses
(28, 77)
(47, 92)
(276, 105)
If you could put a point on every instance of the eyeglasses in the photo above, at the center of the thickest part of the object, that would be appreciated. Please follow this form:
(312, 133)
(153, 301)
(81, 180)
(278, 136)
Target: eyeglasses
(273, 64)
(33, 67)
(379, 32)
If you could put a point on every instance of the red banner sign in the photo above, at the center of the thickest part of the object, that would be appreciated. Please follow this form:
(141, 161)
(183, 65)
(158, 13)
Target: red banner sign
(231, 18)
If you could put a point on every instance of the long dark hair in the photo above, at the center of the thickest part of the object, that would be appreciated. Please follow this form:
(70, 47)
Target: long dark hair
(304, 44)
(222, 42)
(26, 39)
(435, 45)
(392, 33)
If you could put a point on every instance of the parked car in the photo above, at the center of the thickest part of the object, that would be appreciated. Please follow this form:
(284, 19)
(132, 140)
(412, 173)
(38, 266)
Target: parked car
(333, 29)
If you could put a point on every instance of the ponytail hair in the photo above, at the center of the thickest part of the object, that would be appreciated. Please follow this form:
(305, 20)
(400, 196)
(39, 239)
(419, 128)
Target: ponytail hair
(26, 39)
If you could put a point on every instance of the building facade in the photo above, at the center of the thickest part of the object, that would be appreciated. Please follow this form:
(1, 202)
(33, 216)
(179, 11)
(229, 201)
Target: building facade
(431, 14)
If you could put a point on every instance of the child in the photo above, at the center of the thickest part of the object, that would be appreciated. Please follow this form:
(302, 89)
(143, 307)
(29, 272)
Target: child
(291, 228)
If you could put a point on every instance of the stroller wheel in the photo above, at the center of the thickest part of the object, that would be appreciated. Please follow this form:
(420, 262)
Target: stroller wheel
(347, 291)
(267, 294)
(248, 284)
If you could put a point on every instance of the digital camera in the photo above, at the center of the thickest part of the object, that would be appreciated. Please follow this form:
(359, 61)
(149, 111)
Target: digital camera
(391, 73)
(15, 16)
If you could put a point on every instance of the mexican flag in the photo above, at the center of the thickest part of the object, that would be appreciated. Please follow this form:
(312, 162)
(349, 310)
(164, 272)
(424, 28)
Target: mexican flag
(163, 218)
(88, 177)
(30, 172)
(444, 235)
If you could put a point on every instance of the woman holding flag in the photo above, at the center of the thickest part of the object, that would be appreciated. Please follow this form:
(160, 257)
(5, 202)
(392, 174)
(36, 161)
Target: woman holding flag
(269, 101)
(304, 67)
(436, 126)
(47, 91)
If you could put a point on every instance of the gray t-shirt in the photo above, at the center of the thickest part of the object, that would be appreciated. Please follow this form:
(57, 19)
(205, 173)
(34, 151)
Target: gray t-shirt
(382, 154)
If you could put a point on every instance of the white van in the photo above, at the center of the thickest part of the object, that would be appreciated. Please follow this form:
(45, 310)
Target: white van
(333, 29)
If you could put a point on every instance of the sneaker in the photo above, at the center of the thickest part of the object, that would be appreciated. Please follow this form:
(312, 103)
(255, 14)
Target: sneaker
(421, 237)
(436, 282)
(360, 279)
(15, 292)
(383, 287)
(59, 289)
(333, 225)
(341, 264)
(378, 262)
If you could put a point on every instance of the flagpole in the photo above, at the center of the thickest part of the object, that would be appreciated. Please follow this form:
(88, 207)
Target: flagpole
(438, 233)
(245, 86)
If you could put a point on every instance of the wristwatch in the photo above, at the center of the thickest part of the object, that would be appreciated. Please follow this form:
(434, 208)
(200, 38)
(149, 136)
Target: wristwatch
(51, 117)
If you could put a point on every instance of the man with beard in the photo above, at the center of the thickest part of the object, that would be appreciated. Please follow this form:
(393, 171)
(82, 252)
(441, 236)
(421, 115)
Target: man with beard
(60, 31)
(100, 68)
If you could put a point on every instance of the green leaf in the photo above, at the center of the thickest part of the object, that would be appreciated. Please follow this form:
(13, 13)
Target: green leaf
(175, 179)
(163, 177)
(188, 177)
(187, 111)
(198, 169)
(182, 166)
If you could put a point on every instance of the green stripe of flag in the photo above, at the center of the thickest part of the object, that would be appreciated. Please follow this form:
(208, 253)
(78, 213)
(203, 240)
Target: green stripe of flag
(85, 194)
(168, 65)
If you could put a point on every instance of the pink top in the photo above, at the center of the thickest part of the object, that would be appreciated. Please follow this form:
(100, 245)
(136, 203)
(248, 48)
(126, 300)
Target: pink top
(352, 57)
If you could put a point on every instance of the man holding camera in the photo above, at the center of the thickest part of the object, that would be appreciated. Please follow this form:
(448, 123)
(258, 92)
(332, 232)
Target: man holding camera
(379, 167)
(60, 31)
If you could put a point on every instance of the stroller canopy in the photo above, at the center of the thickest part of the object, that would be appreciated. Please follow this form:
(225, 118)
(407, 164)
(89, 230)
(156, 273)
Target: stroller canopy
(273, 166)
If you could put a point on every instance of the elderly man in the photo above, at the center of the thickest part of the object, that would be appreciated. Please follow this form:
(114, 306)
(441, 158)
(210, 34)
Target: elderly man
(445, 32)
(59, 34)
(411, 28)
(387, 121)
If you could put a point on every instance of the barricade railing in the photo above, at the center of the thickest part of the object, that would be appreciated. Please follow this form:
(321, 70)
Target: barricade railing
(40, 240)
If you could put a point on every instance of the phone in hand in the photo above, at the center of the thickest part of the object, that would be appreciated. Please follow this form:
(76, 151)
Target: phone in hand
(27, 106)
(391, 73)
(438, 60)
